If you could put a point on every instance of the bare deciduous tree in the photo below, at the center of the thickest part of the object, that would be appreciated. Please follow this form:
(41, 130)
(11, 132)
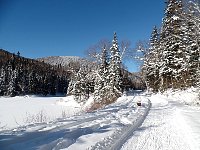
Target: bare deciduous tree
(94, 51)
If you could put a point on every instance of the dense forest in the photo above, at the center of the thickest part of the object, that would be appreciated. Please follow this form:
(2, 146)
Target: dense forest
(21, 76)
(173, 58)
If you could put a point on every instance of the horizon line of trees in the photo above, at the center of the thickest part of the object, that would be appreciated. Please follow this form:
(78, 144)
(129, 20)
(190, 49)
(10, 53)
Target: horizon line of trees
(22, 76)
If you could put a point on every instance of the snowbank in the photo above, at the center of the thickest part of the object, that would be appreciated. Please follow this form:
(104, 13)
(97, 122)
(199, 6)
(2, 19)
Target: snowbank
(188, 96)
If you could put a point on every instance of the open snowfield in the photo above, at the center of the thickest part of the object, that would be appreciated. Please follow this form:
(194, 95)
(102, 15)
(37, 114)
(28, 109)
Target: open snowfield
(20, 111)
(105, 128)
(163, 122)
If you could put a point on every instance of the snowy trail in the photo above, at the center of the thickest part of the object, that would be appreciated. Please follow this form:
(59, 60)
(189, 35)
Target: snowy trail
(159, 124)
(116, 140)
(114, 120)
(160, 130)
(49, 132)
(187, 121)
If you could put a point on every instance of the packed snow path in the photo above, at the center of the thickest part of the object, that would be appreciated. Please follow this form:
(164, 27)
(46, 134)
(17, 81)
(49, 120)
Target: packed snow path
(165, 128)
(94, 130)
(162, 124)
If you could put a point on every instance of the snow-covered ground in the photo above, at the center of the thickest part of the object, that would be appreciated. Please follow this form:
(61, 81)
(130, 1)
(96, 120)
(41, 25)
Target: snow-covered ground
(92, 130)
(171, 124)
(164, 121)
(20, 111)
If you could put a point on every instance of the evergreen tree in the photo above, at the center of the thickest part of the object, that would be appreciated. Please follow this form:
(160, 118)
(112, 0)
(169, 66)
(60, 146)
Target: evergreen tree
(151, 62)
(173, 58)
(101, 79)
(2, 81)
(18, 53)
(11, 87)
(78, 87)
(193, 21)
(115, 66)
(172, 72)
(98, 88)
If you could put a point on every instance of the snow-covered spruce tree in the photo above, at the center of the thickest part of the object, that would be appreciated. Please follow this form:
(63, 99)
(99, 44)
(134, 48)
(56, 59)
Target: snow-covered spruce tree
(2, 81)
(20, 81)
(193, 21)
(198, 81)
(11, 87)
(173, 66)
(151, 62)
(98, 88)
(78, 87)
(115, 65)
(108, 77)
(32, 82)
(99, 79)
(102, 83)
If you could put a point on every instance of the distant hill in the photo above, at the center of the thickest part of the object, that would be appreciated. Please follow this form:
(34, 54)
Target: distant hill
(69, 62)
(60, 60)
(74, 63)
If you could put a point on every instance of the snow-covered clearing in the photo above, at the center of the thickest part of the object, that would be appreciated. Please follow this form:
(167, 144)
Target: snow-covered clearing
(24, 110)
(94, 130)
(165, 123)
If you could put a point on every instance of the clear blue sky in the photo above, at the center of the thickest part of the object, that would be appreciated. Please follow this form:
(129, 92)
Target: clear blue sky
(39, 28)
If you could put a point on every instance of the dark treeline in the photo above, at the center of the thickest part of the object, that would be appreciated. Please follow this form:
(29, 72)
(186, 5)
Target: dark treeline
(22, 76)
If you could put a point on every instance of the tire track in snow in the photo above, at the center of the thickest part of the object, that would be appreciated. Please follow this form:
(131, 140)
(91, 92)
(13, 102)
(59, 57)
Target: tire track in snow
(15, 138)
(93, 128)
(115, 141)
(78, 122)
(56, 133)
(68, 139)
(157, 132)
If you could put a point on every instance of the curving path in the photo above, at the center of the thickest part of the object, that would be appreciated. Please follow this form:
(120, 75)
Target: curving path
(161, 129)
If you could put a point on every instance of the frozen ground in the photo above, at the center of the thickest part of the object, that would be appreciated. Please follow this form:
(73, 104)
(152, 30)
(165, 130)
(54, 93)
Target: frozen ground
(162, 122)
(20, 111)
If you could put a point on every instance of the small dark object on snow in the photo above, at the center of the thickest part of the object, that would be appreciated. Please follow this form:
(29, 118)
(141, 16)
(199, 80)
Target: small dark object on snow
(139, 104)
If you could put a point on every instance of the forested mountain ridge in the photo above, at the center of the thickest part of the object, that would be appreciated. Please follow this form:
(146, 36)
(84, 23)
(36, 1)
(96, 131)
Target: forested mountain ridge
(21, 76)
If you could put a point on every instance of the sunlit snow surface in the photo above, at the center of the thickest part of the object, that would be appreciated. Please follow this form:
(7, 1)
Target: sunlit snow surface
(20, 111)
(171, 124)
(165, 123)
